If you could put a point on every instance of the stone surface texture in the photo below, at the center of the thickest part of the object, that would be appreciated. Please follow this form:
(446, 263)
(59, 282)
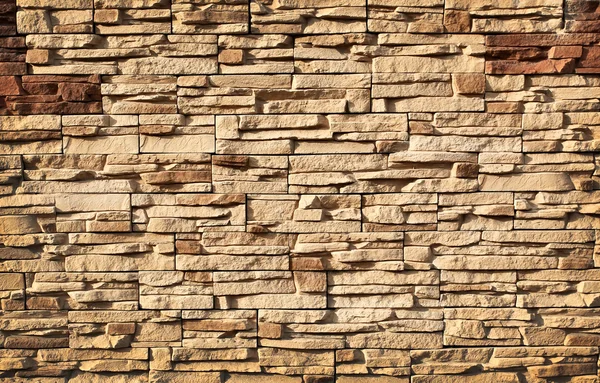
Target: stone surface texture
(299, 191)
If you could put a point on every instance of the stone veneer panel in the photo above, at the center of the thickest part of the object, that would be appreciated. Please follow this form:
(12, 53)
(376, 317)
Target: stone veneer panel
(299, 191)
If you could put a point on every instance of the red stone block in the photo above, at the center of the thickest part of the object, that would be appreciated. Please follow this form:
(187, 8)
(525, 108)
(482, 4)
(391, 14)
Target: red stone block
(523, 67)
(55, 94)
(541, 40)
(565, 52)
(79, 92)
(590, 57)
(10, 85)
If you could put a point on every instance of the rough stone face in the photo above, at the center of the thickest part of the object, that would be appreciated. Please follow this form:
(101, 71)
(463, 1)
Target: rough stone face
(299, 191)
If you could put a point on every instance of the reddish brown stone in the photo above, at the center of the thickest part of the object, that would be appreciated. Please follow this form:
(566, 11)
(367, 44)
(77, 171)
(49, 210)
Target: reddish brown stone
(41, 88)
(10, 85)
(541, 40)
(13, 68)
(565, 52)
(590, 57)
(520, 67)
(61, 94)
(79, 92)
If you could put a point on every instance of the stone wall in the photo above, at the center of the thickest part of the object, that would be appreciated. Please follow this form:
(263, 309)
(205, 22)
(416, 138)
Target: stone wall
(299, 191)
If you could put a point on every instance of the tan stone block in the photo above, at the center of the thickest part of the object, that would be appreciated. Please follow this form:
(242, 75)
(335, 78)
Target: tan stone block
(38, 56)
(107, 16)
(160, 359)
(309, 282)
(231, 56)
(270, 330)
(11, 281)
(470, 83)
